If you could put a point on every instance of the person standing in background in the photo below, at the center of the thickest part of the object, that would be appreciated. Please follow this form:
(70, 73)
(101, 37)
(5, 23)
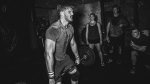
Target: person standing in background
(94, 36)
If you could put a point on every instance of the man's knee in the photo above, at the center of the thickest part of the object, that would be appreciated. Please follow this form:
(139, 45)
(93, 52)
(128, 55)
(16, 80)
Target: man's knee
(74, 74)
(58, 83)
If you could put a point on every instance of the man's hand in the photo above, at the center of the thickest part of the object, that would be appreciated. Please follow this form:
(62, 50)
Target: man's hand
(51, 81)
(133, 45)
(142, 48)
(77, 60)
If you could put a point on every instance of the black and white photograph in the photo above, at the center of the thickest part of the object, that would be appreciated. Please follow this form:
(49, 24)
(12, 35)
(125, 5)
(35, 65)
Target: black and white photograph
(74, 41)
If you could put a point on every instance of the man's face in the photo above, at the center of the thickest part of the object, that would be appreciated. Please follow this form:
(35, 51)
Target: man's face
(135, 33)
(115, 12)
(68, 14)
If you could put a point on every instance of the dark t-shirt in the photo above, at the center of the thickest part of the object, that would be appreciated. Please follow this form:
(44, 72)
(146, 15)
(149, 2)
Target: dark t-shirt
(115, 30)
(142, 41)
(62, 36)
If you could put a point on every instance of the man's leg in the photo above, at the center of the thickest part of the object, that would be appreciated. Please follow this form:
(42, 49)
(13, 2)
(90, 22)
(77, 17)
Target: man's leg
(117, 50)
(58, 83)
(58, 69)
(69, 65)
(133, 61)
(119, 56)
(133, 57)
(114, 48)
(120, 49)
(74, 75)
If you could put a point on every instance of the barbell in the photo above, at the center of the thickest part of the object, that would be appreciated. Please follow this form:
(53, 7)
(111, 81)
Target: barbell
(67, 70)
(85, 50)
(87, 58)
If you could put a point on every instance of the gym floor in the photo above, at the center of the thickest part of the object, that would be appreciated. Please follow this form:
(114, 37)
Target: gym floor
(33, 71)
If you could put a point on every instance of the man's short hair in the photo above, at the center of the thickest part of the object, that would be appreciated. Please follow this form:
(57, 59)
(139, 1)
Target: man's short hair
(64, 7)
(118, 8)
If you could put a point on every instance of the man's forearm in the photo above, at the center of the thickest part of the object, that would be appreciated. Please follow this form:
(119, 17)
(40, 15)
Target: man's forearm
(87, 35)
(140, 48)
(100, 37)
(100, 32)
(50, 48)
(75, 50)
(50, 63)
(107, 31)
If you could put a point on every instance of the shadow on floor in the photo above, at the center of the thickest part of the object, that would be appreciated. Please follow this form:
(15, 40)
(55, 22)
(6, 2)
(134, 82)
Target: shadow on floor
(33, 71)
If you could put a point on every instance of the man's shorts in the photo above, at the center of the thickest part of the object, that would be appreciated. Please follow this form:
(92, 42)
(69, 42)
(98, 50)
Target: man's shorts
(60, 66)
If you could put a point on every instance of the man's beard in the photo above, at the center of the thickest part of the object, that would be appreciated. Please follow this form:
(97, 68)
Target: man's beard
(69, 19)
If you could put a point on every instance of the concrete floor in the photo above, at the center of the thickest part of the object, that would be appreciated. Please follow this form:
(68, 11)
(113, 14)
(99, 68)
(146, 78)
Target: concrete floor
(33, 71)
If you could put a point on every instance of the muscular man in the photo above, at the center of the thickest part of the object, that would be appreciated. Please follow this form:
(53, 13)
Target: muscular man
(115, 32)
(58, 35)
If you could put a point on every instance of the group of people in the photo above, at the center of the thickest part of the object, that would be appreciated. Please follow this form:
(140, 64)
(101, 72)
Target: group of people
(122, 40)
(114, 36)
(127, 41)
(121, 36)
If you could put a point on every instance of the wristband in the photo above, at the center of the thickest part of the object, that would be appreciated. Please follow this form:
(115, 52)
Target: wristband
(51, 75)
(77, 57)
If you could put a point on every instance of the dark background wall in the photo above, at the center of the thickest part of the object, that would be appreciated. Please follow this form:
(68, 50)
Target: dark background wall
(21, 16)
(17, 17)
(144, 13)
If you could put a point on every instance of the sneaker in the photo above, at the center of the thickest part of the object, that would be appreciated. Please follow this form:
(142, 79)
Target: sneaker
(102, 64)
(110, 60)
(118, 62)
(132, 71)
(147, 67)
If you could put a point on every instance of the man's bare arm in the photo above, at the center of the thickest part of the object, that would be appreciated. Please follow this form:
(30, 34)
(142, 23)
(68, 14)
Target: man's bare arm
(87, 29)
(107, 30)
(137, 47)
(74, 47)
(50, 48)
(140, 48)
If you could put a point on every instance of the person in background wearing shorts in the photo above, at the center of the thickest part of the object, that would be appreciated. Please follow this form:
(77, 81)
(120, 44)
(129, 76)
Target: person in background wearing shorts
(94, 36)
